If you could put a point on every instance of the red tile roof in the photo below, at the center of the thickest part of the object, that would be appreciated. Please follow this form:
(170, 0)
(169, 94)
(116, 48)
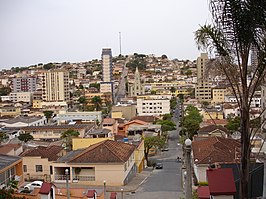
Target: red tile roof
(216, 150)
(104, 152)
(212, 128)
(149, 119)
(5, 149)
(50, 152)
(221, 181)
(45, 188)
(221, 122)
(203, 192)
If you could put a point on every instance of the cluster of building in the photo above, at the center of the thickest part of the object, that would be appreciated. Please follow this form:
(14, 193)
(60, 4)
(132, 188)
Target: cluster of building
(110, 147)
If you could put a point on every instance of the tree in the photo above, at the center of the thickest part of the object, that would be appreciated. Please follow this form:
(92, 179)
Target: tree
(233, 124)
(167, 125)
(48, 115)
(150, 142)
(239, 27)
(5, 91)
(172, 89)
(95, 85)
(191, 122)
(25, 137)
(3, 136)
(173, 103)
(67, 136)
(97, 101)
(153, 92)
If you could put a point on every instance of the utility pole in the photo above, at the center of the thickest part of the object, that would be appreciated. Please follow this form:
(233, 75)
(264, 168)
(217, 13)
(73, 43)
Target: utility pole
(120, 50)
(67, 186)
(188, 169)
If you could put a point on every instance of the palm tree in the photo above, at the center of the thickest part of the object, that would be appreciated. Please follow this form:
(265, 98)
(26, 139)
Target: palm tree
(67, 136)
(238, 26)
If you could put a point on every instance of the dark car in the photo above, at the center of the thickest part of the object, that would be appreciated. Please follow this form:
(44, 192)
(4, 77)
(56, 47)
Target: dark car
(159, 165)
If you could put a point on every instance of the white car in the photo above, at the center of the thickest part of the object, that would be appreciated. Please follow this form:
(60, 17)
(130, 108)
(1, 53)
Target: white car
(32, 185)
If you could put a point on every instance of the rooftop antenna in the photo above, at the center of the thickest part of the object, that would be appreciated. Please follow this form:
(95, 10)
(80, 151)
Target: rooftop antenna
(120, 43)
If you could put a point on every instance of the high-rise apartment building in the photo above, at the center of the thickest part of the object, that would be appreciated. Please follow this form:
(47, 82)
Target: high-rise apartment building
(107, 71)
(24, 84)
(203, 87)
(55, 86)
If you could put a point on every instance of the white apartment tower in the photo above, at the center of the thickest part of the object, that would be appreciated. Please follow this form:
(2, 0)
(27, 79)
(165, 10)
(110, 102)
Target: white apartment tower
(55, 86)
(106, 85)
(203, 87)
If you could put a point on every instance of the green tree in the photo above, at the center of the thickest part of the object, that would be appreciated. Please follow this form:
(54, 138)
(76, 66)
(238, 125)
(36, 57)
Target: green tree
(188, 73)
(173, 103)
(25, 137)
(95, 85)
(191, 121)
(3, 136)
(67, 137)
(172, 89)
(239, 27)
(153, 92)
(167, 125)
(150, 142)
(5, 91)
(48, 115)
(97, 101)
(233, 124)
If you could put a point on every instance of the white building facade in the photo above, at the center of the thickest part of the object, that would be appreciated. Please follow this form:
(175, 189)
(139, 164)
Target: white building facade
(153, 107)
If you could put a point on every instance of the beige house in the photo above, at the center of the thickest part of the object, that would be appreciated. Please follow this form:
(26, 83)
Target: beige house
(109, 160)
(218, 95)
(111, 124)
(10, 111)
(53, 132)
(37, 162)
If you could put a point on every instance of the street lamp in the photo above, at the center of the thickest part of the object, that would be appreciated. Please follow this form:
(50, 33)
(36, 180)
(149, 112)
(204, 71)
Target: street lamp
(122, 197)
(67, 187)
(104, 188)
(188, 169)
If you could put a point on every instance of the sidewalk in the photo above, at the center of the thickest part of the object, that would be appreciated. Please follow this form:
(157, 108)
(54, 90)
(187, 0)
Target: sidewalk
(134, 184)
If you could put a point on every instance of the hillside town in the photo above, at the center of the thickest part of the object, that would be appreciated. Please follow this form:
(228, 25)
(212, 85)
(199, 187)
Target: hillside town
(99, 129)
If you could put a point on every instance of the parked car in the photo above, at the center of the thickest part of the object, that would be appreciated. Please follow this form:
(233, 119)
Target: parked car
(159, 165)
(165, 149)
(32, 185)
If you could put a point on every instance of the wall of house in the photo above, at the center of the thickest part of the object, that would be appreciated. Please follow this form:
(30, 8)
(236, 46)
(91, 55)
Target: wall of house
(139, 157)
(79, 143)
(200, 172)
(31, 163)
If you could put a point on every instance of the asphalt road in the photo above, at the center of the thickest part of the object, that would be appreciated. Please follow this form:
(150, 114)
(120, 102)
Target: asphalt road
(166, 182)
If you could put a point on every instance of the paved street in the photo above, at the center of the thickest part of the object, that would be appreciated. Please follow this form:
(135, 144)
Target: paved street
(166, 182)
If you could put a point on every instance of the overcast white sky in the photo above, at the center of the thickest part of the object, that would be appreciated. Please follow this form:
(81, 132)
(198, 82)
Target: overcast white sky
(42, 31)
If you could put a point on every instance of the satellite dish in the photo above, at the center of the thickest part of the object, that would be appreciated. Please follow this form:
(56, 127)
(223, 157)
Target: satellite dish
(236, 135)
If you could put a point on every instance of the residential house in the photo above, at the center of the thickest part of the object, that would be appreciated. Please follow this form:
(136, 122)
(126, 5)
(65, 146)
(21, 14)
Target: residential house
(213, 130)
(127, 111)
(213, 150)
(53, 132)
(79, 143)
(10, 169)
(221, 184)
(11, 149)
(218, 94)
(79, 117)
(109, 160)
(37, 162)
(10, 111)
(23, 121)
(212, 113)
(111, 124)
(230, 110)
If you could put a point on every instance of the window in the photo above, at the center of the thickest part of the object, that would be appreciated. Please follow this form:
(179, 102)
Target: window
(38, 168)
(51, 170)
(25, 168)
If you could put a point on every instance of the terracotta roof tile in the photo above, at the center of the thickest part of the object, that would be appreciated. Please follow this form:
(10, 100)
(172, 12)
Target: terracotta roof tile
(107, 151)
(4, 149)
(45, 188)
(50, 152)
(215, 150)
(211, 128)
(149, 119)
